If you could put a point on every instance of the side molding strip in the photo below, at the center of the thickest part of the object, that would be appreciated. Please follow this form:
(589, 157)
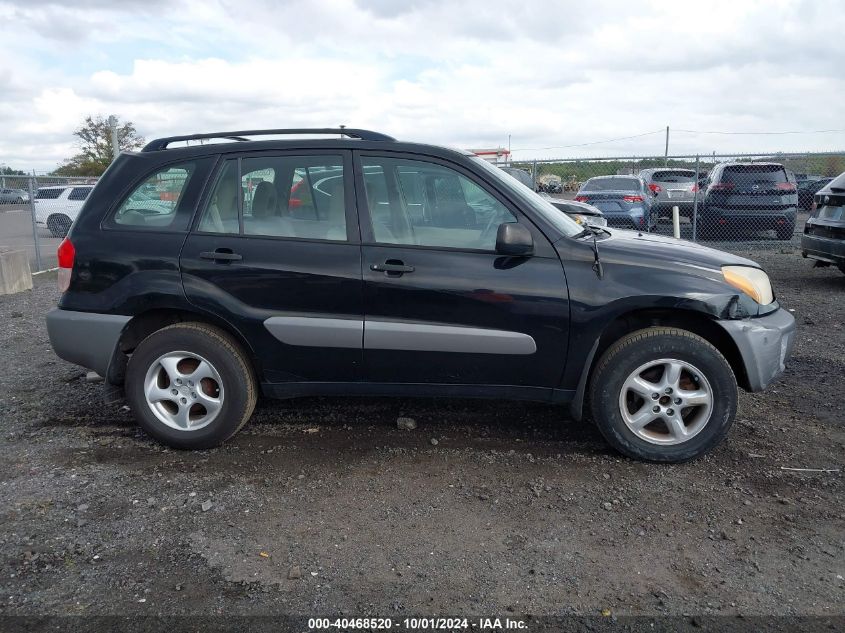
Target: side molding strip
(397, 335)
(316, 331)
(423, 337)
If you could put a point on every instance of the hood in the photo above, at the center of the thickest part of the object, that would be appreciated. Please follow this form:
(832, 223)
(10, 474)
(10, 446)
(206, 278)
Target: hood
(661, 251)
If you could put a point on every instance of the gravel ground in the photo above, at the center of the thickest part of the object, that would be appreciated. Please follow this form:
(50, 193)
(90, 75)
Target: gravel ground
(324, 507)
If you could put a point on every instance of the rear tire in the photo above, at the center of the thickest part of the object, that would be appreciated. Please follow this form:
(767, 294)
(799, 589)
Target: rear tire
(59, 225)
(785, 232)
(643, 362)
(190, 386)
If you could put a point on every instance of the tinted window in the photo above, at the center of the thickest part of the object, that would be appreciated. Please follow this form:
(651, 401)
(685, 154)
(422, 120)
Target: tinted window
(280, 196)
(48, 194)
(675, 175)
(79, 193)
(613, 183)
(153, 203)
(414, 202)
(754, 174)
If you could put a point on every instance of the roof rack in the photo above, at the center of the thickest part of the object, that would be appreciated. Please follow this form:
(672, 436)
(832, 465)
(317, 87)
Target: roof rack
(364, 135)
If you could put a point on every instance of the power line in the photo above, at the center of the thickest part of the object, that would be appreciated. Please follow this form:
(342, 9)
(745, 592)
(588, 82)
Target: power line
(758, 133)
(610, 140)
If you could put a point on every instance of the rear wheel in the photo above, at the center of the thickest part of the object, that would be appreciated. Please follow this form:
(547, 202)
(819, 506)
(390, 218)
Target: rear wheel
(58, 224)
(190, 385)
(664, 395)
(785, 232)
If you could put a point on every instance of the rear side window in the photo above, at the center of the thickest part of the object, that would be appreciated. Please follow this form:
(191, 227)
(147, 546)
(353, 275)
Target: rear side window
(754, 174)
(153, 204)
(674, 175)
(79, 193)
(48, 194)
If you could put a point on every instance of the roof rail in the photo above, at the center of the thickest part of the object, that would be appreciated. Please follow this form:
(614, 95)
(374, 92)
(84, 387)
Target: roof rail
(364, 135)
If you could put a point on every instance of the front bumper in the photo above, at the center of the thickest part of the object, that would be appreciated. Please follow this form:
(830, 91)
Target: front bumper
(824, 249)
(85, 338)
(764, 344)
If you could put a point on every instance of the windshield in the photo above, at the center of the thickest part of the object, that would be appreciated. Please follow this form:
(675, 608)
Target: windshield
(614, 183)
(560, 221)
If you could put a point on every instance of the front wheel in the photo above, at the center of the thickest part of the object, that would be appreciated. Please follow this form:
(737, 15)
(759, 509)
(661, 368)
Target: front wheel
(190, 385)
(663, 395)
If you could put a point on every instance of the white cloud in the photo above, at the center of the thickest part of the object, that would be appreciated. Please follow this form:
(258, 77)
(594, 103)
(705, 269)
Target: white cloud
(468, 74)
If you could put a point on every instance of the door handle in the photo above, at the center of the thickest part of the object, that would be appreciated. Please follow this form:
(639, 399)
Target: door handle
(393, 266)
(221, 255)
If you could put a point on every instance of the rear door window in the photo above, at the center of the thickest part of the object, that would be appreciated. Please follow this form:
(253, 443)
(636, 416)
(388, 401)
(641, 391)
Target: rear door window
(279, 196)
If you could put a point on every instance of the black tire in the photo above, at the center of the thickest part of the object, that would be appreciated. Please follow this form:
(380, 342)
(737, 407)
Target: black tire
(229, 360)
(650, 344)
(59, 225)
(785, 232)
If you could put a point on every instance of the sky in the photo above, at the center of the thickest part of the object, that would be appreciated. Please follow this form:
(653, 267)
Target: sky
(560, 79)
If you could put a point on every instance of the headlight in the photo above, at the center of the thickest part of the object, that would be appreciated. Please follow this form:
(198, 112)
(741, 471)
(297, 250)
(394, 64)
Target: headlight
(752, 281)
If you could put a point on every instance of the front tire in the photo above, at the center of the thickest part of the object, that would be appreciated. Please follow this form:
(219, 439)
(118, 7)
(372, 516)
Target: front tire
(190, 385)
(663, 395)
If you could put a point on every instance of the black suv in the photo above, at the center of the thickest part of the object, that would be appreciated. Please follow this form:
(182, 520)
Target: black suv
(749, 197)
(357, 264)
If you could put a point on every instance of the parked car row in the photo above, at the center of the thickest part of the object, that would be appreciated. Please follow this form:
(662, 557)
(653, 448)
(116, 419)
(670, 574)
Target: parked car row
(823, 239)
(13, 196)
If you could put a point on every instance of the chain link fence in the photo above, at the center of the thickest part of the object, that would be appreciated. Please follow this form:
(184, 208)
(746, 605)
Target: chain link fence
(36, 213)
(734, 202)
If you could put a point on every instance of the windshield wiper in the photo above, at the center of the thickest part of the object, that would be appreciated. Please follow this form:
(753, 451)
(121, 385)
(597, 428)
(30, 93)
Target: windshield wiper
(589, 229)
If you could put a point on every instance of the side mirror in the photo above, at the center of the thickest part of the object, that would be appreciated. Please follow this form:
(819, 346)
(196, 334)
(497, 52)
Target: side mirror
(514, 239)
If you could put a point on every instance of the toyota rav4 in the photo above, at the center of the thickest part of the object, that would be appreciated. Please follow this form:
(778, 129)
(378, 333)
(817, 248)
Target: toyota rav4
(357, 264)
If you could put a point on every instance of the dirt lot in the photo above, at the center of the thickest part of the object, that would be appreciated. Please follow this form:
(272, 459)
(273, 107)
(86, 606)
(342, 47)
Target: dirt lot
(323, 507)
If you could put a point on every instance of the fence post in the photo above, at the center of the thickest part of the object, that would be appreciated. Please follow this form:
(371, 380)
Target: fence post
(534, 173)
(695, 200)
(34, 225)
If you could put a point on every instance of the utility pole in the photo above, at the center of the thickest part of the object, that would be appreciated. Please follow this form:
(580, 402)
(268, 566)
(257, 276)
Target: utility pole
(666, 153)
(115, 147)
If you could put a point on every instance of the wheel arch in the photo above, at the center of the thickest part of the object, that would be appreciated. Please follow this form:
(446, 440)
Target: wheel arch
(145, 323)
(638, 319)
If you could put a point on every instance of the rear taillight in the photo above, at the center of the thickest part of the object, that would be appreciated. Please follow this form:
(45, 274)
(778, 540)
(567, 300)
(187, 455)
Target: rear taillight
(694, 189)
(67, 255)
(785, 186)
(633, 198)
(581, 198)
(722, 186)
(655, 189)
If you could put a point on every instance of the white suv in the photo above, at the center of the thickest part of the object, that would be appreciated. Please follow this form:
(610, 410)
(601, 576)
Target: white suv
(57, 207)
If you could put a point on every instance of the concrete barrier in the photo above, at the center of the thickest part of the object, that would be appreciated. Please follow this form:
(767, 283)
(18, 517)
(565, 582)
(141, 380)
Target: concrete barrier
(15, 275)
